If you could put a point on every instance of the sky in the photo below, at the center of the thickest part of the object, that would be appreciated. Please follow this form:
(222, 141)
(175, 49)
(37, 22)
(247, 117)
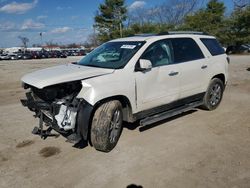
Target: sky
(59, 21)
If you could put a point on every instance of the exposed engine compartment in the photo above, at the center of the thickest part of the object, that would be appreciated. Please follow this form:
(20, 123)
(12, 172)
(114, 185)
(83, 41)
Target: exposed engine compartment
(55, 92)
(56, 105)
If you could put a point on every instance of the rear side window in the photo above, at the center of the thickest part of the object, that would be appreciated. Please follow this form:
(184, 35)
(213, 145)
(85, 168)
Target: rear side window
(186, 49)
(213, 46)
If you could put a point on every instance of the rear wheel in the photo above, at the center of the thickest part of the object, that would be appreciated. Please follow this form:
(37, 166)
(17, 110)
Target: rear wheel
(214, 94)
(106, 126)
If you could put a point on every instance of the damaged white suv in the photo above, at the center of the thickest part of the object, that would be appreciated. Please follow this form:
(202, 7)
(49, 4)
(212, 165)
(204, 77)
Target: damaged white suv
(144, 77)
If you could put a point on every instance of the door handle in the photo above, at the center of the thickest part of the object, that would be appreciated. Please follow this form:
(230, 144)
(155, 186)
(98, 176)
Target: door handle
(173, 73)
(203, 66)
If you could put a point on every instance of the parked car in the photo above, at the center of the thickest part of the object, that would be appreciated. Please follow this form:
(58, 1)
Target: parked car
(19, 55)
(245, 48)
(4, 57)
(26, 56)
(144, 78)
(45, 54)
(36, 55)
(13, 56)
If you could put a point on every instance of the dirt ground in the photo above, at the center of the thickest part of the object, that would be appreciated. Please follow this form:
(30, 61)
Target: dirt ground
(198, 149)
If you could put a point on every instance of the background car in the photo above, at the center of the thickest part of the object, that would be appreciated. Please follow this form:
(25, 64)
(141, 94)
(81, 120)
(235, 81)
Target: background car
(26, 56)
(13, 56)
(4, 57)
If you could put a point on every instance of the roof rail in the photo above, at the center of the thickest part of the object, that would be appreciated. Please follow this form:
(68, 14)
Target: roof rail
(142, 35)
(182, 32)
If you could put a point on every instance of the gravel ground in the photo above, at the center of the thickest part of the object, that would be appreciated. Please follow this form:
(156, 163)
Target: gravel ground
(198, 149)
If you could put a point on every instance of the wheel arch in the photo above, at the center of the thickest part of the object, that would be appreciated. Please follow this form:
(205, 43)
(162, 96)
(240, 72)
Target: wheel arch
(220, 76)
(126, 105)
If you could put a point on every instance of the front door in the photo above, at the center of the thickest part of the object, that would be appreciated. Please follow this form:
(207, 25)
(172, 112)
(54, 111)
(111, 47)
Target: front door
(159, 85)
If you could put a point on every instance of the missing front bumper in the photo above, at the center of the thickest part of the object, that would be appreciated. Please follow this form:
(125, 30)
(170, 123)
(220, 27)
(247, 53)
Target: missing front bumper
(47, 122)
(46, 112)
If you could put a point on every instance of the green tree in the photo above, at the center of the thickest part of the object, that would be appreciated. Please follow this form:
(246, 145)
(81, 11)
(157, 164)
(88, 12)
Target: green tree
(109, 19)
(210, 20)
(238, 31)
(153, 28)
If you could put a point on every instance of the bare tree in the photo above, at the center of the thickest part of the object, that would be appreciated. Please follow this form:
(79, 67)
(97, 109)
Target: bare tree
(174, 11)
(92, 41)
(24, 40)
(51, 43)
(170, 12)
(240, 4)
(138, 16)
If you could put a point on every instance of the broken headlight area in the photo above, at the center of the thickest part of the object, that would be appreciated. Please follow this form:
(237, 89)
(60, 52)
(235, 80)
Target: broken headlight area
(56, 107)
(57, 92)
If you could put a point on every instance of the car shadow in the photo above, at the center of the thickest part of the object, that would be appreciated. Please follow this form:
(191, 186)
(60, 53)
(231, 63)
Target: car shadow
(132, 126)
(134, 186)
(135, 125)
(80, 145)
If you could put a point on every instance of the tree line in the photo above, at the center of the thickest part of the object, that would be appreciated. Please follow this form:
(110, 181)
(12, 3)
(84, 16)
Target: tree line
(114, 20)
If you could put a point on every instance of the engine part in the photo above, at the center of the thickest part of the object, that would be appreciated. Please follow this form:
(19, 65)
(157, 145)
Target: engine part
(66, 118)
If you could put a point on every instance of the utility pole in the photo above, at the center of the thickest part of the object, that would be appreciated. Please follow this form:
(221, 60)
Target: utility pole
(95, 40)
(41, 35)
(119, 17)
(120, 22)
(120, 28)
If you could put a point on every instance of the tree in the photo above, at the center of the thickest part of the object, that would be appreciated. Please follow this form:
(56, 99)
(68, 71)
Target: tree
(171, 12)
(24, 40)
(91, 41)
(239, 4)
(174, 11)
(109, 19)
(210, 20)
(153, 28)
(238, 31)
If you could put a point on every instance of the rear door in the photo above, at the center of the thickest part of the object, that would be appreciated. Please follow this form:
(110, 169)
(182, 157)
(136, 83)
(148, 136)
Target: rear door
(217, 59)
(192, 65)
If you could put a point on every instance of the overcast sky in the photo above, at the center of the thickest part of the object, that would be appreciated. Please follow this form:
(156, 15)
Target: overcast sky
(59, 21)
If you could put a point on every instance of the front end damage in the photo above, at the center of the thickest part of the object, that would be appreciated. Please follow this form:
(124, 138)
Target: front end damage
(59, 109)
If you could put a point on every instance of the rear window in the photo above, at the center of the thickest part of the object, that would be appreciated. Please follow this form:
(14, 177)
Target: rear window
(186, 49)
(213, 46)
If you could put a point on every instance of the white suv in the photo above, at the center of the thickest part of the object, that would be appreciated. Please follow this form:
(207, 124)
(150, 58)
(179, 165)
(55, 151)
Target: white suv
(145, 77)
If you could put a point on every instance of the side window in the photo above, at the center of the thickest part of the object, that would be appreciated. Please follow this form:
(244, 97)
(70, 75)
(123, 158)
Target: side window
(159, 53)
(213, 46)
(186, 49)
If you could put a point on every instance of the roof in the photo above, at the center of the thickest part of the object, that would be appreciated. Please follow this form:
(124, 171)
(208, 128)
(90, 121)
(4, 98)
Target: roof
(170, 34)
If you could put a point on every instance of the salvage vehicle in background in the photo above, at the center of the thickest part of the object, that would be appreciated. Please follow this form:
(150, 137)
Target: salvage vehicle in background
(4, 57)
(244, 48)
(13, 56)
(146, 78)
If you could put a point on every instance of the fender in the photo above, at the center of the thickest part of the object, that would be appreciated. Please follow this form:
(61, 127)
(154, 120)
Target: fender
(83, 119)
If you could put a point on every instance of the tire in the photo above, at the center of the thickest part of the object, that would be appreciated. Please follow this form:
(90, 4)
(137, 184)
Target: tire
(213, 94)
(106, 126)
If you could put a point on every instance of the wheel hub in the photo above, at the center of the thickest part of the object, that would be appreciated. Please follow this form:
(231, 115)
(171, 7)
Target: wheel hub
(114, 126)
(215, 94)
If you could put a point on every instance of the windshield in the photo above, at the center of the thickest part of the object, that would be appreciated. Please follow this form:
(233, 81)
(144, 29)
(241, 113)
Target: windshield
(112, 55)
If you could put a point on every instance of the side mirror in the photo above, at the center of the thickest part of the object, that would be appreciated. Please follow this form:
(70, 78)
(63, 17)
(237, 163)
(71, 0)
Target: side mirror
(144, 64)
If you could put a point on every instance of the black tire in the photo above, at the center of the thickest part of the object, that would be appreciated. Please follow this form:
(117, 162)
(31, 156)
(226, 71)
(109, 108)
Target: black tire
(213, 94)
(106, 126)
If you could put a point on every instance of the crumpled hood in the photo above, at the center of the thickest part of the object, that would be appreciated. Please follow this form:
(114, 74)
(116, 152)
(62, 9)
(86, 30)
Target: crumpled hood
(62, 73)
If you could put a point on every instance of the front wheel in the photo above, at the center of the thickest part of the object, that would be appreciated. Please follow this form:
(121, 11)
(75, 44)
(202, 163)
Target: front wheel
(213, 94)
(106, 126)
